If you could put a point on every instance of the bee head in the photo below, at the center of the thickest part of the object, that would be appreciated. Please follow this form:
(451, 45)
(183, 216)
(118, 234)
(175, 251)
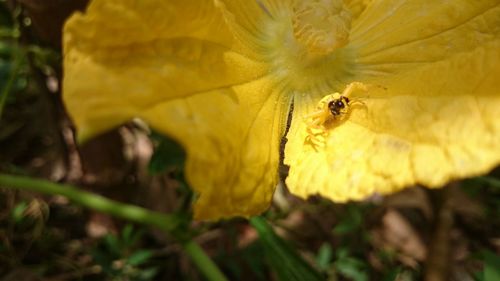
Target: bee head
(337, 106)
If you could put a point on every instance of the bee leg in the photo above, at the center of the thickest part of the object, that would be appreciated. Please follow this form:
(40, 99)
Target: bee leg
(316, 141)
(354, 86)
(357, 101)
(315, 115)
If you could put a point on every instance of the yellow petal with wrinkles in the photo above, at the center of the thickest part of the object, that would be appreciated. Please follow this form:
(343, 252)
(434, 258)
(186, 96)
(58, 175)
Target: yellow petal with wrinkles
(232, 137)
(437, 118)
(123, 57)
(392, 37)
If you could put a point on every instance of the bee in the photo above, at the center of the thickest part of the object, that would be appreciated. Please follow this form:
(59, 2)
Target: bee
(331, 108)
(339, 106)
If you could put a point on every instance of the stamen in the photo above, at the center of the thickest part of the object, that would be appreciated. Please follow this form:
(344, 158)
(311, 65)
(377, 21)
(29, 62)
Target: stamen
(321, 25)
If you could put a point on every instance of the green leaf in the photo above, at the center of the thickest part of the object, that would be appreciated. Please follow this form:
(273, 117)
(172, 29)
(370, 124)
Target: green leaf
(18, 211)
(127, 232)
(491, 266)
(139, 257)
(350, 222)
(491, 181)
(349, 266)
(103, 259)
(148, 274)
(324, 257)
(352, 268)
(113, 244)
(130, 236)
(287, 263)
(168, 154)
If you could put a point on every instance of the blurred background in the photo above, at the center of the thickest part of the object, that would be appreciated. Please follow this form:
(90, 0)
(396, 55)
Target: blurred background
(447, 234)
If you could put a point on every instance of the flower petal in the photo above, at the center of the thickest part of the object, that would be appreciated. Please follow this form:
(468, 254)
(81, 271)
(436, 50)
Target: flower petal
(396, 35)
(438, 118)
(173, 64)
(232, 137)
(123, 57)
(108, 23)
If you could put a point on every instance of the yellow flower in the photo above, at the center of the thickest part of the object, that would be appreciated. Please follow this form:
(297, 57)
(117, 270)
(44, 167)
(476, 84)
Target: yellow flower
(221, 78)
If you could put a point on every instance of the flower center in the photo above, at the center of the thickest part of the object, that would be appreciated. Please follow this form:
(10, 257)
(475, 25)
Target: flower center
(321, 26)
(307, 49)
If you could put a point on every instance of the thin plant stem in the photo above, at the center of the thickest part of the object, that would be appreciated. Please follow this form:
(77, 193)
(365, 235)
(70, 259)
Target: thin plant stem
(169, 224)
(204, 263)
(92, 201)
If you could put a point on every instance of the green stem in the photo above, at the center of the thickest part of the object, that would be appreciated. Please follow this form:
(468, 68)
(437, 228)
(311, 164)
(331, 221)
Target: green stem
(204, 263)
(167, 223)
(93, 201)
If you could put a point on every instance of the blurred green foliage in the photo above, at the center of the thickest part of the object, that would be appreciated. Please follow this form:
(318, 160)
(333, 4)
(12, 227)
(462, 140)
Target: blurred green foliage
(121, 259)
(168, 155)
(288, 265)
(491, 271)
